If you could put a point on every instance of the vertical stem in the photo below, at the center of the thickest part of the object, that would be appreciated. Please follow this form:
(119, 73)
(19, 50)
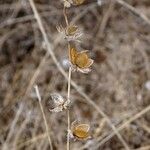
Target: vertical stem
(68, 111)
(65, 16)
(68, 95)
(44, 117)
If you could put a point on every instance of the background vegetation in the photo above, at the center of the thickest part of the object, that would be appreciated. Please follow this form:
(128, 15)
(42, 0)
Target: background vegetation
(117, 33)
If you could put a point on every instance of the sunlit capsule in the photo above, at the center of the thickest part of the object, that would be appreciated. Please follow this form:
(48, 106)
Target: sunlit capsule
(78, 2)
(80, 60)
(71, 30)
(80, 131)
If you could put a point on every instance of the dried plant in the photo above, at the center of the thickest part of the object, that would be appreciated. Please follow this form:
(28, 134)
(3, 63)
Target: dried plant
(117, 91)
(70, 33)
(79, 61)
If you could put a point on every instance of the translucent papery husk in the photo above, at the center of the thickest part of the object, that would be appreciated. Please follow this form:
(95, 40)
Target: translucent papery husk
(68, 35)
(57, 109)
(58, 99)
(67, 3)
(66, 104)
(84, 70)
(76, 37)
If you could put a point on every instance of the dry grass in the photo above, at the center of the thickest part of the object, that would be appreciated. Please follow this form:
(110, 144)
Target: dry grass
(118, 35)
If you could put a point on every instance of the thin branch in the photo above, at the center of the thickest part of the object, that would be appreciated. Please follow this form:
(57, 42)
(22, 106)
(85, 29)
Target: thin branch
(134, 11)
(65, 16)
(31, 141)
(68, 93)
(105, 19)
(143, 148)
(19, 131)
(11, 131)
(144, 126)
(138, 115)
(44, 117)
(69, 81)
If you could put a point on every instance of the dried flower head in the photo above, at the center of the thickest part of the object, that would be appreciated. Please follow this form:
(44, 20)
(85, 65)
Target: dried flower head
(71, 33)
(78, 2)
(59, 102)
(68, 3)
(80, 60)
(71, 30)
(80, 130)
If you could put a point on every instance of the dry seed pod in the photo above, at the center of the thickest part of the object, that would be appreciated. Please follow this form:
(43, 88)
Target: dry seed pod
(67, 3)
(71, 30)
(80, 130)
(60, 103)
(57, 98)
(80, 60)
(71, 33)
(78, 2)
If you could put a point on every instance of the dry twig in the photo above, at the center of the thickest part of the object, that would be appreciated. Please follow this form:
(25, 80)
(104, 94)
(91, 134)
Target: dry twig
(134, 11)
(136, 116)
(44, 117)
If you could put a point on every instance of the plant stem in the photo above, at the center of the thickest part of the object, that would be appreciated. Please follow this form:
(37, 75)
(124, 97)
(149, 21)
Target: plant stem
(68, 95)
(65, 16)
(44, 117)
(68, 111)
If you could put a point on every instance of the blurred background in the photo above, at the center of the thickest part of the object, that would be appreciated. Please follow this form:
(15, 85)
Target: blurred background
(118, 39)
